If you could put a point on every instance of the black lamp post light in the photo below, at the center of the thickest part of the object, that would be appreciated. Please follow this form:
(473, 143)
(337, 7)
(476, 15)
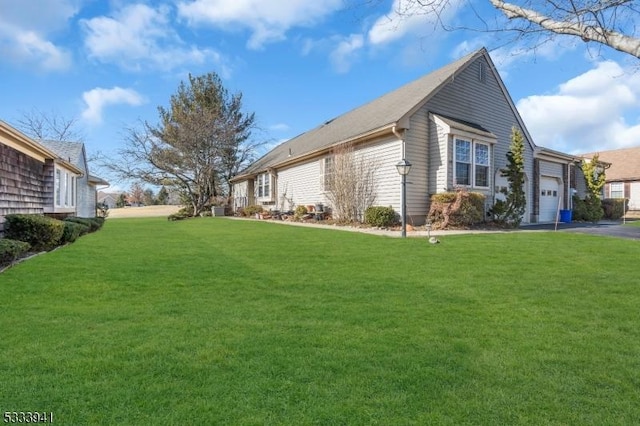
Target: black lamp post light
(403, 169)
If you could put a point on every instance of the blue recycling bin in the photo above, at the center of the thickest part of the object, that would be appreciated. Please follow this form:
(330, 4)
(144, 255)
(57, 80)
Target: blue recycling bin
(565, 216)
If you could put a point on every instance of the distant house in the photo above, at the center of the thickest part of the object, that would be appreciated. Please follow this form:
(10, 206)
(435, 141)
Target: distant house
(109, 199)
(453, 125)
(36, 179)
(623, 174)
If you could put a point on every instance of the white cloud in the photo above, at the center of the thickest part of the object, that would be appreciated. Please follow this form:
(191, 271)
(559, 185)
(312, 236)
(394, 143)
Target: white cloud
(280, 127)
(268, 20)
(587, 113)
(25, 26)
(97, 99)
(412, 18)
(343, 54)
(138, 37)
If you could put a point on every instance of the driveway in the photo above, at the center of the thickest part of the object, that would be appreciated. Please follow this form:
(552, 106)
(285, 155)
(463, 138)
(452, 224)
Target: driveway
(611, 229)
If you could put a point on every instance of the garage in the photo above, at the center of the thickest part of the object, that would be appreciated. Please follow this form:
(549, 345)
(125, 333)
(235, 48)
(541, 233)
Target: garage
(549, 198)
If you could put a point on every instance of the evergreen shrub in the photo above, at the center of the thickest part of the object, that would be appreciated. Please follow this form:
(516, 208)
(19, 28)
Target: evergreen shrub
(382, 217)
(42, 233)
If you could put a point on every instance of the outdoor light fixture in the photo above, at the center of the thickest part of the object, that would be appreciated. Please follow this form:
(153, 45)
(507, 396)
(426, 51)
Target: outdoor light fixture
(403, 169)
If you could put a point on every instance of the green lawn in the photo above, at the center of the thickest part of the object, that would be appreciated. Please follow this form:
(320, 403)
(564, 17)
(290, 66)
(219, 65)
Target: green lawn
(215, 321)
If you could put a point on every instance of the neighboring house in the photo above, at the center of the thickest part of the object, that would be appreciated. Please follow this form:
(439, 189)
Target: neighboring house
(35, 179)
(623, 174)
(110, 199)
(86, 184)
(453, 125)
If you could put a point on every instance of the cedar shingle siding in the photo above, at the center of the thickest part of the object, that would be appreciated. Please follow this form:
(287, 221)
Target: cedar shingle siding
(21, 189)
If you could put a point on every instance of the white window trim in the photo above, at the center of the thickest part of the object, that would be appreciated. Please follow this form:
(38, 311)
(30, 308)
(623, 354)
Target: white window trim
(263, 186)
(323, 173)
(618, 185)
(65, 190)
(472, 173)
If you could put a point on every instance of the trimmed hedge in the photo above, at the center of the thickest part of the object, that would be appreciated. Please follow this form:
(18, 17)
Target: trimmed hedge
(93, 223)
(11, 250)
(73, 231)
(382, 217)
(42, 233)
(614, 208)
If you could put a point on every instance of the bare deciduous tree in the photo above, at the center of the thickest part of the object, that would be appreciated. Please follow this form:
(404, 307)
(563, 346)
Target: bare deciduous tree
(350, 180)
(201, 142)
(49, 126)
(609, 23)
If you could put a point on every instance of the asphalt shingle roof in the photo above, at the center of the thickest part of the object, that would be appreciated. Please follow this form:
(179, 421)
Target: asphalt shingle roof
(625, 163)
(377, 114)
(68, 151)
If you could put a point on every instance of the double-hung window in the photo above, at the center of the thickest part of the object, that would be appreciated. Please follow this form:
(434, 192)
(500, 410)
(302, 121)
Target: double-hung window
(264, 185)
(472, 163)
(326, 173)
(616, 190)
(58, 187)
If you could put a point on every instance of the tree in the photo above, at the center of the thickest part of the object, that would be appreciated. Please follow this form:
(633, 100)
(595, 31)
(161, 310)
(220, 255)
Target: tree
(163, 196)
(350, 183)
(201, 142)
(610, 23)
(148, 197)
(49, 126)
(511, 210)
(594, 175)
(122, 200)
(136, 194)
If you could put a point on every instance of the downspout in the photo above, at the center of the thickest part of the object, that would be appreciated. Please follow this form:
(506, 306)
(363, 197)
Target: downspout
(394, 130)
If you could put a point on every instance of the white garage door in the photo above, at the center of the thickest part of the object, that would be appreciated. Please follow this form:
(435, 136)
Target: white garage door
(634, 196)
(549, 197)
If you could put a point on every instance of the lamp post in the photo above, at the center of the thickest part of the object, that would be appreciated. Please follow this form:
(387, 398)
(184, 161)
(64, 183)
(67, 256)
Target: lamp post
(403, 169)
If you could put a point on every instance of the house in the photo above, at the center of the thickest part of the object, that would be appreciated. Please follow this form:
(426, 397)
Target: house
(109, 199)
(622, 175)
(35, 179)
(86, 184)
(453, 125)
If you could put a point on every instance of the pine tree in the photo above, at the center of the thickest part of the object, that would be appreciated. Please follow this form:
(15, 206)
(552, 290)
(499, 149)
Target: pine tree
(512, 209)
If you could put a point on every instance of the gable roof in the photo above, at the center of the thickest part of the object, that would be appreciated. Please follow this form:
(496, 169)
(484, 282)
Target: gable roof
(23, 143)
(68, 151)
(625, 163)
(382, 113)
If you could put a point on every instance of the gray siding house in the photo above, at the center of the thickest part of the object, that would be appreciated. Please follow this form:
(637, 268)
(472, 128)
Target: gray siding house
(36, 179)
(454, 126)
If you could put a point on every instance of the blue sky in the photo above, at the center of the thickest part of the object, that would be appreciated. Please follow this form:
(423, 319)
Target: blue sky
(298, 63)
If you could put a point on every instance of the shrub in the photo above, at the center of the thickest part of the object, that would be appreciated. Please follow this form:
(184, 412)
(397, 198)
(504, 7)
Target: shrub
(614, 208)
(42, 233)
(72, 231)
(183, 213)
(11, 250)
(587, 210)
(456, 209)
(93, 224)
(250, 211)
(300, 211)
(380, 216)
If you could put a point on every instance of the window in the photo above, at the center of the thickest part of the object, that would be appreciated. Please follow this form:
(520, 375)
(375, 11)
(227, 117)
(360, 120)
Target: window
(57, 186)
(617, 190)
(463, 162)
(326, 173)
(264, 185)
(481, 164)
(67, 187)
(471, 156)
(73, 191)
